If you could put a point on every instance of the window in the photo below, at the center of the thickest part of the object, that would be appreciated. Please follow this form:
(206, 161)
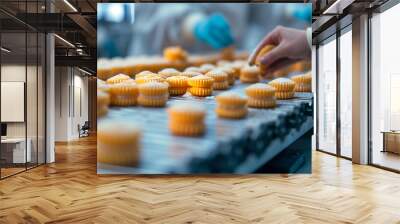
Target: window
(385, 88)
(346, 93)
(326, 138)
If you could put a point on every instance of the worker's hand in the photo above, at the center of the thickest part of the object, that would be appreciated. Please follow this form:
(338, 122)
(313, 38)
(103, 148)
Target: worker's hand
(214, 31)
(291, 46)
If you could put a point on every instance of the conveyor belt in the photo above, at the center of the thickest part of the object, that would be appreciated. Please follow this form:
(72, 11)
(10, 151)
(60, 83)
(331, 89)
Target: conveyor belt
(229, 146)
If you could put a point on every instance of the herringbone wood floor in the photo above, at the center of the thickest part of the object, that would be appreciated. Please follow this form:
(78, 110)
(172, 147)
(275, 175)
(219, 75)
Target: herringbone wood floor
(69, 191)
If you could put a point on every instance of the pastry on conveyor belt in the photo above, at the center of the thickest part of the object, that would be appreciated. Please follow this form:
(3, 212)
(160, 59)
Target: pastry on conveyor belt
(118, 143)
(194, 69)
(228, 53)
(144, 73)
(186, 119)
(284, 88)
(103, 100)
(261, 95)
(149, 78)
(118, 66)
(220, 79)
(177, 85)
(191, 74)
(260, 55)
(250, 74)
(303, 82)
(237, 66)
(124, 93)
(201, 85)
(129, 81)
(118, 78)
(100, 81)
(153, 94)
(168, 72)
(175, 54)
(231, 105)
(200, 91)
(102, 85)
(230, 72)
(103, 68)
(206, 68)
(223, 63)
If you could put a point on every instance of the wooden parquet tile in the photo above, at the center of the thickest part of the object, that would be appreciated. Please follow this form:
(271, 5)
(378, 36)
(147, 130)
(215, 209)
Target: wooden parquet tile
(69, 191)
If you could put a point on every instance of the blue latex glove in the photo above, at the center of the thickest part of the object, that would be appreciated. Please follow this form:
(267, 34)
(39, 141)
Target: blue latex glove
(214, 31)
(303, 12)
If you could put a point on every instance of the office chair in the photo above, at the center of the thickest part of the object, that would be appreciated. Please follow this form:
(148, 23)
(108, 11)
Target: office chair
(84, 130)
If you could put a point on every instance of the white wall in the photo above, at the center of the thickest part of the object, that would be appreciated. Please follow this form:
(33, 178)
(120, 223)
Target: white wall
(61, 103)
(80, 94)
(71, 93)
(14, 73)
(33, 127)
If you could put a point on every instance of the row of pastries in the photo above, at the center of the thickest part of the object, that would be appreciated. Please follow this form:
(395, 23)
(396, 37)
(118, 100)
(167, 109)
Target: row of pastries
(154, 86)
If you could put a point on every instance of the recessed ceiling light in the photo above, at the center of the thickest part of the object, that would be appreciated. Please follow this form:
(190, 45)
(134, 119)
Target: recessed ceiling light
(64, 40)
(338, 6)
(5, 50)
(70, 5)
(84, 71)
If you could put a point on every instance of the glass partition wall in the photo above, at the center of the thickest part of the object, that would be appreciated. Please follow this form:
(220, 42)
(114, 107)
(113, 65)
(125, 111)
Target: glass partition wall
(22, 77)
(334, 94)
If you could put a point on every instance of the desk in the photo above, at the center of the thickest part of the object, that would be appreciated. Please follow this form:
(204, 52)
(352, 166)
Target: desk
(16, 147)
(391, 141)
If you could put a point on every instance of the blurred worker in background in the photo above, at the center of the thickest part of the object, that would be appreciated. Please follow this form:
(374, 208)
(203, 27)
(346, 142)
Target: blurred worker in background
(197, 27)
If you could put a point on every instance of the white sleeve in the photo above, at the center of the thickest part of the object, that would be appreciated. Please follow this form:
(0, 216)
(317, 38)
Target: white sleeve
(309, 36)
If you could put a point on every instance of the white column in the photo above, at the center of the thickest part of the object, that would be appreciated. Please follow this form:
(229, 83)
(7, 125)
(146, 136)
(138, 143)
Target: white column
(50, 92)
(360, 90)
(50, 100)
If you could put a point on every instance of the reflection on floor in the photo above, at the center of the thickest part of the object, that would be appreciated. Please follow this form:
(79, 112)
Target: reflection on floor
(70, 191)
(387, 159)
(10, 171)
